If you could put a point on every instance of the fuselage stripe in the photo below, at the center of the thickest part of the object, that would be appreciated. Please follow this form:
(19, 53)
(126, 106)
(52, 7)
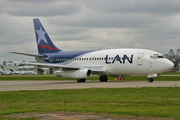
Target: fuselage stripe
(48, 47)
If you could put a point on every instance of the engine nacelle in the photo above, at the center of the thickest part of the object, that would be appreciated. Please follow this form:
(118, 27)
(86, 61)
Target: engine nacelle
(77, 74)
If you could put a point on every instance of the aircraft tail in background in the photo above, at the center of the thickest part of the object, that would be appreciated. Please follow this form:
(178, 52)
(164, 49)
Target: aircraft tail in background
(11, 70)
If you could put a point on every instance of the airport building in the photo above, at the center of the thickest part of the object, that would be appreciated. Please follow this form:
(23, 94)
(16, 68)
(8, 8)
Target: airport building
(175, 58)
(7, 65)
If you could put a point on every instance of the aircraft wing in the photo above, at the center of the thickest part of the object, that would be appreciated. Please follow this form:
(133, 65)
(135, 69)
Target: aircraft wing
(49, 65)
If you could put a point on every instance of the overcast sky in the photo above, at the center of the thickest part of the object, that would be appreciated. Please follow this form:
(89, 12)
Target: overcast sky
(89, 25)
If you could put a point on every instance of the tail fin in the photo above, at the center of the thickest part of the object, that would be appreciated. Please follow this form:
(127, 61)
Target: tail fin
(44, 43)
(11, 70)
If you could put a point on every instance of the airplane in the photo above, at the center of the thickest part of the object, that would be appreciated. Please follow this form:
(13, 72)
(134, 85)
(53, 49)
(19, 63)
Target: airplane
(22, 72)
(14, 72)
(28, 72)
(5, 73)
(119, 63)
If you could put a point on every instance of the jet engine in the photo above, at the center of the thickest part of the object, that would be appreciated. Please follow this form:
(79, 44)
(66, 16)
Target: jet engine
(76, 74)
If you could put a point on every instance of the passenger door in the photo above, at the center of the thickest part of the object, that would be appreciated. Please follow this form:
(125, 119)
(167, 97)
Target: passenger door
(140, 59)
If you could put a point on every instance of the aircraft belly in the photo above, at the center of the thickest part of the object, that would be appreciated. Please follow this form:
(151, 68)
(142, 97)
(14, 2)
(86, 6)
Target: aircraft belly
(118, 69)
(129, 70)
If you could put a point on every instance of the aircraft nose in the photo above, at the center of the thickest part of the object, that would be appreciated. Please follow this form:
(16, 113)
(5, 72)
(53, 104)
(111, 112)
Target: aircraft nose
(168, 65)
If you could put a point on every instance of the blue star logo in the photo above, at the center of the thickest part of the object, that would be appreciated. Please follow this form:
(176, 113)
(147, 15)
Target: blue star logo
(41, 35)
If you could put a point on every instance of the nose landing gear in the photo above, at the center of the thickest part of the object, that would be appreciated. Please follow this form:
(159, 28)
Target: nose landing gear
(151, 76)
(150, 79)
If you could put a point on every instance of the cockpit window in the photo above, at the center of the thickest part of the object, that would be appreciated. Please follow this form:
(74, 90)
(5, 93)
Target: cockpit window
(160, 56)
(156, 56)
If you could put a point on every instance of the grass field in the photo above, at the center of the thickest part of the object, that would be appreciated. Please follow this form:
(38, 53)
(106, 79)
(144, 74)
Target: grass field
(147, 102)
(140, 102)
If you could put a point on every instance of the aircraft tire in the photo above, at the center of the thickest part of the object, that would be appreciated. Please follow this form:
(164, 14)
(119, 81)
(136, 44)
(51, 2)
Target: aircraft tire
(150, 79)
(81, 80)
(103, 78)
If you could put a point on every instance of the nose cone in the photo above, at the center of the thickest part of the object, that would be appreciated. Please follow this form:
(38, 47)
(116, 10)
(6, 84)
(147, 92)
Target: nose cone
(168, 65)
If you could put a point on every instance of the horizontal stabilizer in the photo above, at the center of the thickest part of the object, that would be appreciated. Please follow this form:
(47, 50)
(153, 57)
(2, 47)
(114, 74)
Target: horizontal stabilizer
(32, 55)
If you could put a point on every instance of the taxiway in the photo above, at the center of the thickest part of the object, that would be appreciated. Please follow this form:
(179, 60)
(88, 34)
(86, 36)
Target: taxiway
(48, 85)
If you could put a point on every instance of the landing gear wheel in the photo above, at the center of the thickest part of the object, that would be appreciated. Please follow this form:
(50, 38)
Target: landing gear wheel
(103, 78)
(150, 79)
(81, 80)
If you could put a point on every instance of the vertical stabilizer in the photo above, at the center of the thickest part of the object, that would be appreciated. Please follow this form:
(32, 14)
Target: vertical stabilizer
(44, 43)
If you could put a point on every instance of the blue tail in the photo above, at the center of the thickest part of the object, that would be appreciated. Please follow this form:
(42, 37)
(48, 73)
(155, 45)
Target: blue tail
(44, 43)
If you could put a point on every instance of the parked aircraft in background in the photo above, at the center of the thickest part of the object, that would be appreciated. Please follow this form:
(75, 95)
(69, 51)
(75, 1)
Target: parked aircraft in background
(80, 65)
(14, 72)
(29, 72)
(5, 72)
(22, 72)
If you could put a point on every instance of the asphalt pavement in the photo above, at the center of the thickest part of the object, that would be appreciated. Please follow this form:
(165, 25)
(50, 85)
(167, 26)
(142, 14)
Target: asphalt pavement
(48, 85)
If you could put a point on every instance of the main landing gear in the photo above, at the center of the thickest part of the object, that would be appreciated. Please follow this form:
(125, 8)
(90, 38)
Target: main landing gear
(81, 80)
(150, 79)
(103, 78)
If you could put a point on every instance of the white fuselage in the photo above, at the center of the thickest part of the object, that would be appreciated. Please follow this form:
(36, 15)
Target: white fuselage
(123, 61)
